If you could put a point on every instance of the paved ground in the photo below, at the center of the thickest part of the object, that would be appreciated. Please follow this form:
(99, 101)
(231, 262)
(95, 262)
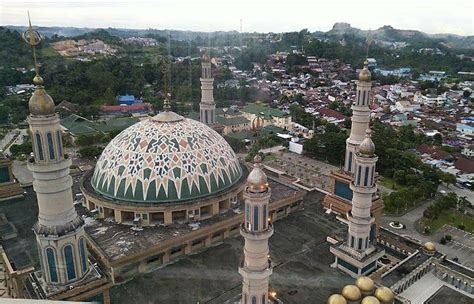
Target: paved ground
(311, 171)
(464, 253)
(298, 249)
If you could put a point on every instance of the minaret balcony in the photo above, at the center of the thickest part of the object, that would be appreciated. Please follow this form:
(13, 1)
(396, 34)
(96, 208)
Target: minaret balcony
(255, 274)
(50, 166)
(256, 235)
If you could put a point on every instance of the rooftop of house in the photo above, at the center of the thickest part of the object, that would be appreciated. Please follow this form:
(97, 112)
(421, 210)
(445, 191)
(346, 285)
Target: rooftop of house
(259, 108)
(78, 125)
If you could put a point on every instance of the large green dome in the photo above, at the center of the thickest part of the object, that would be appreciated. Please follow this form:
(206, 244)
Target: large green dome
(165, 159)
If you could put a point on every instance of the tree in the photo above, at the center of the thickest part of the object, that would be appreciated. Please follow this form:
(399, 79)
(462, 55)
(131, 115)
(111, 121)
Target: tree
(4, 113)
(448, 179)
(90, 152)
(438, 139)
(236, 144)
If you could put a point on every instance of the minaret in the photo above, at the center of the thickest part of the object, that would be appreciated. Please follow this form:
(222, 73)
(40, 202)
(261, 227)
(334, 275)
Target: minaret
(363, 188)
(360, 117)
(358, 255)
(59, 231)
(207, 107)
(256, 229)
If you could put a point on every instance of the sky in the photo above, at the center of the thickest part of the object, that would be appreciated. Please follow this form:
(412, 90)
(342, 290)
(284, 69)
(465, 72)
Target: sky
(431, 16)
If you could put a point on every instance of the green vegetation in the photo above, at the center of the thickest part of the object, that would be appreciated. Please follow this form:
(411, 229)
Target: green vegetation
(449, 209)
(91, 152)
(18, 150)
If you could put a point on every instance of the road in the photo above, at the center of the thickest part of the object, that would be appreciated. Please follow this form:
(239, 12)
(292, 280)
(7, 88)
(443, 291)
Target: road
(469, 194)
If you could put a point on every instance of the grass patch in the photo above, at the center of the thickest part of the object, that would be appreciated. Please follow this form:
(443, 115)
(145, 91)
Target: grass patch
(453, 218)
(389, 183)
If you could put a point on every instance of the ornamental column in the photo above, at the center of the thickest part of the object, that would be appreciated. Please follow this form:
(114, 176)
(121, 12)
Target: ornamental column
(360, 117)
(256, 229)
(207, 107)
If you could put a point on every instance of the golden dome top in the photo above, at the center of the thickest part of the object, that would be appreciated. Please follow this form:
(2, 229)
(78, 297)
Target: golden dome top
(38, 80)
(40, 102)
(365, 284)
(336, 299)
(370, 300)
(257, 179)
(384, 294)
(365, 74)
(429, 246)
(351, 293)
(367, 146)
(205, 56)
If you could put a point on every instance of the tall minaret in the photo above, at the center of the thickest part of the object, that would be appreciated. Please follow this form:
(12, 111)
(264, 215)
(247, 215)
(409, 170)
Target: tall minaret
(360, 117)
(363, 187)
(207, 107)
(59, 230)
(256, 230)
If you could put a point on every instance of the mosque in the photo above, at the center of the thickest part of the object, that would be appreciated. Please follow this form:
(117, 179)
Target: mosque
(169, 186)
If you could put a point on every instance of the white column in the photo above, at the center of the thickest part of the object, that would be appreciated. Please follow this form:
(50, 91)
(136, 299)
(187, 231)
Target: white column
(256, 229)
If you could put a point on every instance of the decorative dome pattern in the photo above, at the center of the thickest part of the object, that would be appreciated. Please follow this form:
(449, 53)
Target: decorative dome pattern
(157, 161)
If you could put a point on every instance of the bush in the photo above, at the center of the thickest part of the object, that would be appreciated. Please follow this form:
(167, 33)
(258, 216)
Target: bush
(448, 237)
(461, 226)
(443, 240)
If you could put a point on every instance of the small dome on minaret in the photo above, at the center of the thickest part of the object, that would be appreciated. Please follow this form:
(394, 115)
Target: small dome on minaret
(205, 56)
(365, 74)
(257, 179)
(40, 102)
(367, 146)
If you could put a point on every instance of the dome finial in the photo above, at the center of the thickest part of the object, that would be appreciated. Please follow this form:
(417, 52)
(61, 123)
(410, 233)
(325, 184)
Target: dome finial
(365, 74)
(166, 103)
(33, 38)
(40, 102)
(205, 56)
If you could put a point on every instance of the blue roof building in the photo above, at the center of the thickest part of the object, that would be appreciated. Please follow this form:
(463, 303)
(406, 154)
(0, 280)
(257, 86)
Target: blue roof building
(126, 100)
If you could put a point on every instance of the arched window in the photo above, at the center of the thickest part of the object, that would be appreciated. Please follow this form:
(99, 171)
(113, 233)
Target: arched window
(255, 218)
(53, 274)
(39, 146)
(49, 138)
(82, 250)
(254, 300)
(69, 258)
(373, 175)
(60, 143)
(349, 166)
(363, 98)
(358, 175)
(264, 216)
(366, 177)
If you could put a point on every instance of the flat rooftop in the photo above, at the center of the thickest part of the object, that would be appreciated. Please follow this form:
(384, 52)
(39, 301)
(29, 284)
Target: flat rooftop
(117, 241)
(23, 214)
(298, 249)
(446, 295)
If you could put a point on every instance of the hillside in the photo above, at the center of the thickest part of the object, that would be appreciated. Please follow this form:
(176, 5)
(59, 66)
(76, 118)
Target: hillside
(386, 34)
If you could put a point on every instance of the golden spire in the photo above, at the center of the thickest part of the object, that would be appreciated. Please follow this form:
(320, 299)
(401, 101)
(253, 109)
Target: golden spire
(33, 38)
(166, 78)
(40, 104)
